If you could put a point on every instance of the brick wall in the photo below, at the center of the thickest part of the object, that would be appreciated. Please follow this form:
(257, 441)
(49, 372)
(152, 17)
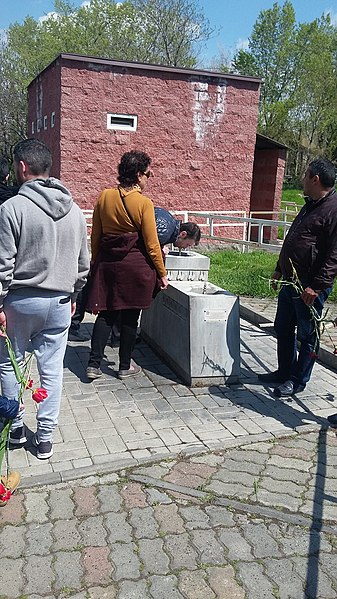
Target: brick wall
(269, 165)
(44, 97)
(199, 131)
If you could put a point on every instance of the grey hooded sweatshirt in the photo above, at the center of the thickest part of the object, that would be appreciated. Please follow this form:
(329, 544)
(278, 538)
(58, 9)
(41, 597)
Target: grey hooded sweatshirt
(43, 240)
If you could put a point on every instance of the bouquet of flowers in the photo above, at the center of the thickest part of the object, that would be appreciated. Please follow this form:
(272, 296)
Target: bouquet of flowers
(9, 409)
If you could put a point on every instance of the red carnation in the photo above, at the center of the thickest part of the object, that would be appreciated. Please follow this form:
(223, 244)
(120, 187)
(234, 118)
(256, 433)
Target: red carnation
(39, 394)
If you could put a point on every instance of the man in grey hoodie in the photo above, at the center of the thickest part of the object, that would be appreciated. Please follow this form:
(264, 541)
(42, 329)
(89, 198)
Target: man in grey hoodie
(44, 262)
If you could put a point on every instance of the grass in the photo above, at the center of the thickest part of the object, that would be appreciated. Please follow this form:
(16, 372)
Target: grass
(242, 274)
(246, 273)
(292, 195)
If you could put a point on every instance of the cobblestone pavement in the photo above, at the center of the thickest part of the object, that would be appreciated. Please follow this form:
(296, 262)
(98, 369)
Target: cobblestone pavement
(257, 521)
(108, 424)
(158, 491)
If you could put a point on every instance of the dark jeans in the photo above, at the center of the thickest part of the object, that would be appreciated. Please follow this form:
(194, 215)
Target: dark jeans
(292, 312)
(101, 333)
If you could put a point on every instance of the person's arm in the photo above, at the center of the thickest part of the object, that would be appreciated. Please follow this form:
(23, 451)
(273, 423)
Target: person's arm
(328, 271)
(149, 233)
(83, 263)
(9, 236)
(276, 276)
(96, 231)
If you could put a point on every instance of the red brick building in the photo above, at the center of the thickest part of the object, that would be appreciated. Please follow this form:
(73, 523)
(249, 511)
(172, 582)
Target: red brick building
(199, 127)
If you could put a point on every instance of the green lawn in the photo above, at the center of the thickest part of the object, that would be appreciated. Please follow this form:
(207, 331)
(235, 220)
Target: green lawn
(245, 274)
(292, 195)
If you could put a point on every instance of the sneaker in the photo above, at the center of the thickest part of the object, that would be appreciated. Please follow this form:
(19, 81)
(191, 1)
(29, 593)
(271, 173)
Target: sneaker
(271, 377)
(76, 335)
(11, 482)
(93, 373)
(288, 388)
(132, 371)
(44, 449)
(17, 436)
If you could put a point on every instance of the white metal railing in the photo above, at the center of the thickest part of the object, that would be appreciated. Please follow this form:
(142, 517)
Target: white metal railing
(220, 220)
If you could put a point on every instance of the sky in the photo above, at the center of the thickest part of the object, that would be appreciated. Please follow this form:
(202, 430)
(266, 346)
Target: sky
(233, 19)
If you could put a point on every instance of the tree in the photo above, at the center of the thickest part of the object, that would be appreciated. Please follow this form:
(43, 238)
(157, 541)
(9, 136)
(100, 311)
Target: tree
(158, 31)
(172, 30)
(298, 65)
(314, 118)
(271, 55)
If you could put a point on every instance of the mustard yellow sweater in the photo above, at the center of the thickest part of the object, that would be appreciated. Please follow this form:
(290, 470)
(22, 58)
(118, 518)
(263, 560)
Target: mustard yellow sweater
(110, 218)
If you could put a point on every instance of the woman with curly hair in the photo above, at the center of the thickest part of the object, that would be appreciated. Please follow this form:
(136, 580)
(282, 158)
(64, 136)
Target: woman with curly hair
(128, 266)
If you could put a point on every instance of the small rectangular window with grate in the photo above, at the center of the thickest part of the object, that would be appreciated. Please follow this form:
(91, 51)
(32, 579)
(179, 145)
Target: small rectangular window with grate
(122, 122)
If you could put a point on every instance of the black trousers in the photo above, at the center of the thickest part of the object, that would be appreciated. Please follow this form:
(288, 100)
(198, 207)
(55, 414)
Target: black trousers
(81, 304)
(101, 333)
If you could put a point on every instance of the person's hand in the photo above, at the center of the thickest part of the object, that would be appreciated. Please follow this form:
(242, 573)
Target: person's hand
(73, 308)
(309, 296)
(3, 322)
(165, 249)
(164, 283)
(275, 277)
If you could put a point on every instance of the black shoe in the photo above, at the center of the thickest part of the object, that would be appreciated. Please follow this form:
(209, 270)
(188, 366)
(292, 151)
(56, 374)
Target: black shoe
(332, 420)
(93, 373)
(271, 377)
(132, 371)
(18, 436)
(288, 388)
(44, 449)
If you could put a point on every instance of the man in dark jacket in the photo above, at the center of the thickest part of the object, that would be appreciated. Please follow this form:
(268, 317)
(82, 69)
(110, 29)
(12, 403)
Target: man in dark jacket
(309, 258)
(6, 191)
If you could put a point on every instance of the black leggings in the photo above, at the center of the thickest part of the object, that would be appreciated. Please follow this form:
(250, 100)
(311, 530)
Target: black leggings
(101, 333)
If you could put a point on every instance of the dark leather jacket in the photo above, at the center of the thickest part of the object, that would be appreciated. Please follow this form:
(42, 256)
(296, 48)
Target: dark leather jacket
(311, 244)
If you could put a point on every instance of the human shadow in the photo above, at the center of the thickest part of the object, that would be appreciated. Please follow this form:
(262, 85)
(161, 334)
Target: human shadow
(311, 580)
(267, 404)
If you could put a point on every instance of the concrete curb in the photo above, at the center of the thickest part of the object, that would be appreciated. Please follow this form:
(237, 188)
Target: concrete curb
(44, 480)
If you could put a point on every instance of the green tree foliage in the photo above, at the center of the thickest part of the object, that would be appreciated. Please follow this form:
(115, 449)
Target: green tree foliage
(155, 31)
(298, 65)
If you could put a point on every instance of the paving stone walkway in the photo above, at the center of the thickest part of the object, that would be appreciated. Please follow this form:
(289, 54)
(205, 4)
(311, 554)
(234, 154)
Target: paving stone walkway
(258, 521)
(109, 423)
(158, 491)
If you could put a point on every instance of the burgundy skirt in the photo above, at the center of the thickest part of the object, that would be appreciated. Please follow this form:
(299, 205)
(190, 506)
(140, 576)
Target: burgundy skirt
(123, 276)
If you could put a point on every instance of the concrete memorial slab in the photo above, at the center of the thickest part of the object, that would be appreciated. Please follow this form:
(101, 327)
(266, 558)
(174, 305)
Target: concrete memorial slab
(195, 327)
